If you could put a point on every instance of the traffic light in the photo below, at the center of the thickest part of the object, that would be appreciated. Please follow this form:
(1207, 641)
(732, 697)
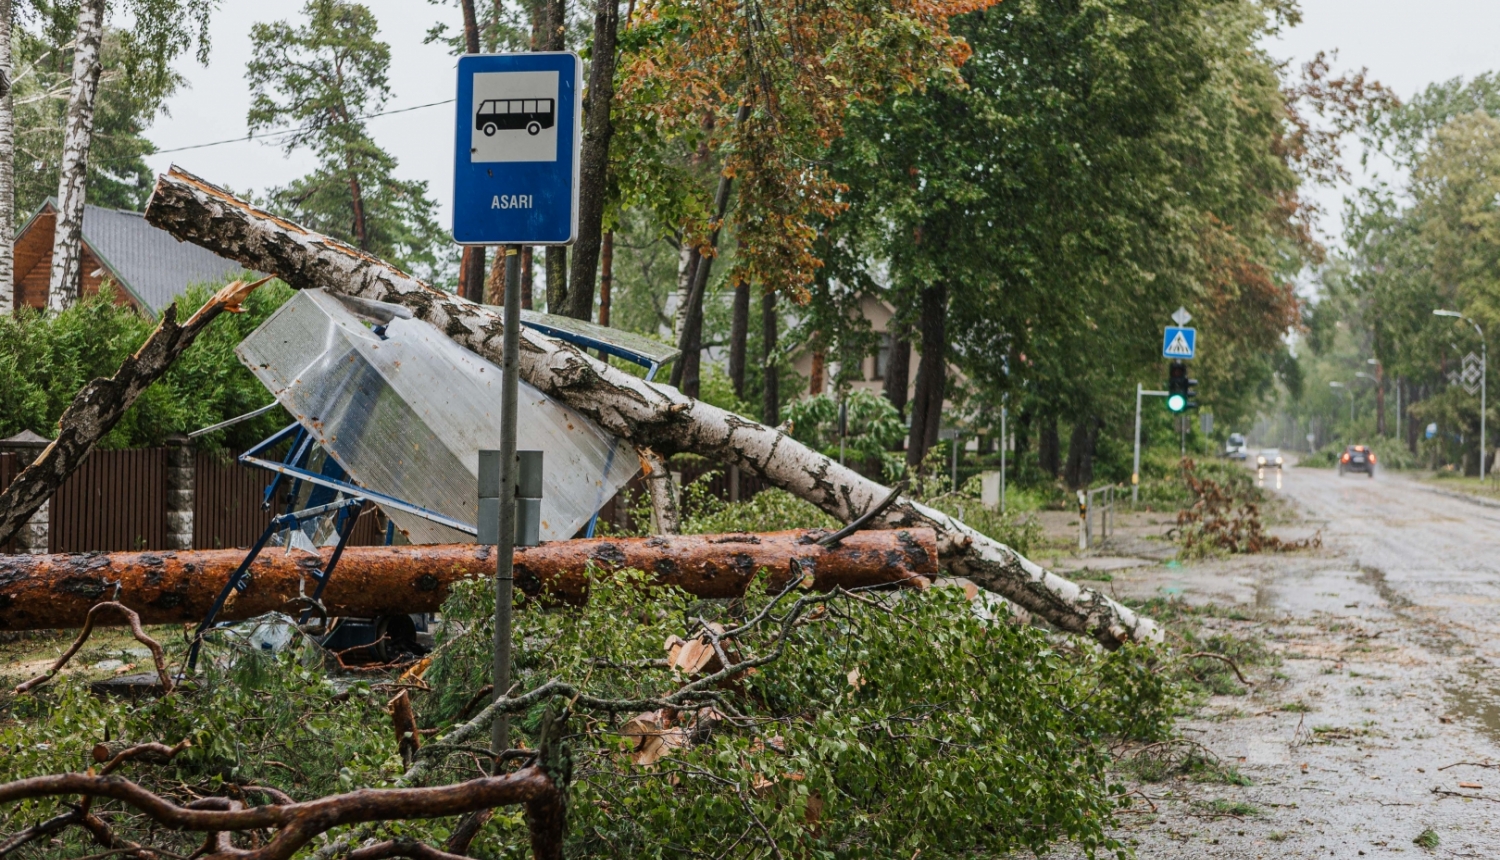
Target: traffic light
(1178, 387)
(1191, 393)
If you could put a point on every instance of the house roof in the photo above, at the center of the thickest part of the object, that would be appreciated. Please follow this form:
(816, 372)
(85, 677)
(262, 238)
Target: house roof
(148, 263)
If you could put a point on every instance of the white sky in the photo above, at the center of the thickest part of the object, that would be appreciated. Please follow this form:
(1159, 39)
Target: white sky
(1405, 45)
(214, 105)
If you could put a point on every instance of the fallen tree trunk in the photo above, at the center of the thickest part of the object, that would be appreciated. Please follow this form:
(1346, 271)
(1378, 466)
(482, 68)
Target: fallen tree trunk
(648, 415)
(98, 407)
(48, 591)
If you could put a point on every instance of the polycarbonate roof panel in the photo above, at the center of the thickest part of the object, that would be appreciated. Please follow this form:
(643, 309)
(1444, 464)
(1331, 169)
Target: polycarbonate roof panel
(407, 414)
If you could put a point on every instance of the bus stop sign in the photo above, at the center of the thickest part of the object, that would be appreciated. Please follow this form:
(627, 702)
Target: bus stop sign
(516, 140)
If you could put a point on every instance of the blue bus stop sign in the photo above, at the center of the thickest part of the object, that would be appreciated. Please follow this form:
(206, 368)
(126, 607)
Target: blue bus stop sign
(515, 166)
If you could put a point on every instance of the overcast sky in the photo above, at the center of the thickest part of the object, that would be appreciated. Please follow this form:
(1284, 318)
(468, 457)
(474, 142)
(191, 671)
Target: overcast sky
(1405, 45)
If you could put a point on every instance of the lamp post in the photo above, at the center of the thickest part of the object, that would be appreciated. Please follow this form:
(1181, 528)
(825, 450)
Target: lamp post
(1351, 402)
(1484, 369)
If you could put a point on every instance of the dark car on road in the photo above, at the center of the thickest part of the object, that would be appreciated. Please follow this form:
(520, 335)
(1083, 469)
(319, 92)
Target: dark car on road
(1357, 458)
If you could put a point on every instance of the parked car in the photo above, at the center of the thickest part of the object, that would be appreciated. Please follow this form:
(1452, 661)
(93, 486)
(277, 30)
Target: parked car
(1235, 448)
(1357, 458)
(1269, 458)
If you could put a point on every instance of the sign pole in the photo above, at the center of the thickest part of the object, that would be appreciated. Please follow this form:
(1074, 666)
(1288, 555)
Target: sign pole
(505, 545)
(1004, 440)
(1135, 469)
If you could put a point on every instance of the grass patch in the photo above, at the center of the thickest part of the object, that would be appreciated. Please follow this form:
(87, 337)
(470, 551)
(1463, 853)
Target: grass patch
(1235, 808)
(1426, 839)
(1295, 707)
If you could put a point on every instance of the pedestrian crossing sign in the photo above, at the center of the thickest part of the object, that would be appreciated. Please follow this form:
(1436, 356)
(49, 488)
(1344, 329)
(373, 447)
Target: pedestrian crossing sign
(1179, 343)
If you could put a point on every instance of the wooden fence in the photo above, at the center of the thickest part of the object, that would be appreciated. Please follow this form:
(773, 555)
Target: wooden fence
(117, 500)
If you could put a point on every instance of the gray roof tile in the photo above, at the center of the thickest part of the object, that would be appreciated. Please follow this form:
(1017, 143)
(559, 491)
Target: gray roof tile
(153, 264)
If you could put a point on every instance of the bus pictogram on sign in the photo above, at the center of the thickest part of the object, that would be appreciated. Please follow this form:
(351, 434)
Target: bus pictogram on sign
(530, 114)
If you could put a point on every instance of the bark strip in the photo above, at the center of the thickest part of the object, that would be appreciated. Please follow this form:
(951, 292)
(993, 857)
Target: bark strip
(50, 591)
(100, 405)
(647, 414)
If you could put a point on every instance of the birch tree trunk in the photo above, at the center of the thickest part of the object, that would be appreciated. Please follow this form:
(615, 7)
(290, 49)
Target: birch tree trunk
(648, 415)
(7, 164)
(72, 183)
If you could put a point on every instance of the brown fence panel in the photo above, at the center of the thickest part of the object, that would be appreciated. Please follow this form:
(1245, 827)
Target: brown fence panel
(116, 501)
(226, 506)
(226, 501)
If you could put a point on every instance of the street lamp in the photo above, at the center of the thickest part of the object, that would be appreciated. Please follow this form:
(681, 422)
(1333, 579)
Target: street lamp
(1484, 369)
(1351, 403)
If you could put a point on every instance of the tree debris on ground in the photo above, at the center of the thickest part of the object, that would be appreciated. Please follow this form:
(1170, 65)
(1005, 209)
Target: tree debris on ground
(1221, 521)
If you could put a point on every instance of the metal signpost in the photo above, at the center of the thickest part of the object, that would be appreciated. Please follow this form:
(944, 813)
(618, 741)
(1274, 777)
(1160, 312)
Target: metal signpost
(1484, 367)
(518, 128)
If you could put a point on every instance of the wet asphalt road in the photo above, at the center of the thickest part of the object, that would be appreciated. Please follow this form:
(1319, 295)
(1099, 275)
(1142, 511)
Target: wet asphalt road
(1385, 707)
(1438, 552)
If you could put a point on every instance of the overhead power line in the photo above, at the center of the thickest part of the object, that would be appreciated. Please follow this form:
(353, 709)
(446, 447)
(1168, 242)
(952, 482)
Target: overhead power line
(290, 131)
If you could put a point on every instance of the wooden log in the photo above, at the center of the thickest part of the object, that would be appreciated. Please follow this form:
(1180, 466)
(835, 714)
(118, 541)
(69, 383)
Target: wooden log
(51, 591)
(648, 415)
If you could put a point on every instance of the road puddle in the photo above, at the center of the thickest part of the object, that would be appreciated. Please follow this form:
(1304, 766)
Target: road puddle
(1476, 699)
(1260, 478)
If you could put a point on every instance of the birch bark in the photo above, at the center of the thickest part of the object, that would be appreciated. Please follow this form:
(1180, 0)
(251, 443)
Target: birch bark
(78, 134)
(7, 164)
(648, 415)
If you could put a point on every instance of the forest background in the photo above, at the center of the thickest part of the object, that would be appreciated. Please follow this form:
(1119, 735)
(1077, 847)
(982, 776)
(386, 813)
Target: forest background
(1098, 165)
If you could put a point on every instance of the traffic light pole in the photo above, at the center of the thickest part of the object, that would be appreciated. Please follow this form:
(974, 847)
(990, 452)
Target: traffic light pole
(1135, 472)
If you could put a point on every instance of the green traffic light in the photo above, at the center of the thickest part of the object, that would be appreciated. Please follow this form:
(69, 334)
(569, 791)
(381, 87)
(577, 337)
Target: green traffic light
(1176, 403)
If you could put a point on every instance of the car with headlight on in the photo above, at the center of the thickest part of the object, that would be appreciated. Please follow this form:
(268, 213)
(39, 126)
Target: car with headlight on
(1268, 458)
(1357, 458)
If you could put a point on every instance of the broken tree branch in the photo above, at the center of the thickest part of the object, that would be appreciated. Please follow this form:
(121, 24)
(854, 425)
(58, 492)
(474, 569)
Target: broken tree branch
(299, 823)
(50, 591)
(648, 415)
(99, 405)
(136, 630)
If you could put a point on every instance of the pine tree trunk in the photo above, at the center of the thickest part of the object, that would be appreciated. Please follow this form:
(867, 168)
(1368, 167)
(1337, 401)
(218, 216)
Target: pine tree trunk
(932, 375)
(770, 395)
(739, 334)
(593, 166)
(78, 134)
(471, 274)
(51, 591)
(898, 373)
(7, 163)
(471, 27)
(647, 415)
(494, 284)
